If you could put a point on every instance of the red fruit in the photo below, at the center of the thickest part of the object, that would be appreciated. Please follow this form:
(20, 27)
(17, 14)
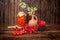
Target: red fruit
(20, 33)
(25, 31)
(14, 33)
(30, 31)
(17, 33)
(41, 23)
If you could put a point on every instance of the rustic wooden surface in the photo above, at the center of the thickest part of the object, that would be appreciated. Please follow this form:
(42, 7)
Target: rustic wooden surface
(50, 34)
(37, 36)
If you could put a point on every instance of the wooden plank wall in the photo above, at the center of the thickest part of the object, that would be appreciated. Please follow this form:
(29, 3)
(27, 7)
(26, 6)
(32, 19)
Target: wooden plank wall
(13, 10)
(1, 11)
(47, 10)
(10, 12)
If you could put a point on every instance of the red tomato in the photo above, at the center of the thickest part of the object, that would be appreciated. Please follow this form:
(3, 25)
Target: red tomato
(18, 33)
(14, 33)
(41, 23)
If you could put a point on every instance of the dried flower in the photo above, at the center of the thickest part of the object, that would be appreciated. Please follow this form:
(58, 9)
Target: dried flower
(31, 10)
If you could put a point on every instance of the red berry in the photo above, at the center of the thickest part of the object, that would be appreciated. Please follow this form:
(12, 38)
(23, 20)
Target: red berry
(30, 31)
(14, 33)
(17, 33)
(42, 23)
(20, 33)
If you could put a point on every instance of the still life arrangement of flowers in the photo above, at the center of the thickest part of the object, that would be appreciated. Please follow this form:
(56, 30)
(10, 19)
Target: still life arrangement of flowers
(21, 18)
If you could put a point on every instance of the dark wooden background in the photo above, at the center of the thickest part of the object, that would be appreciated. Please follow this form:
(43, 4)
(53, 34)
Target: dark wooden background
(47, 9)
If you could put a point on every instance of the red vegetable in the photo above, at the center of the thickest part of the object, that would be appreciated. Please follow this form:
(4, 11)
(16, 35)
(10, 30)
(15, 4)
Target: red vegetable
(18, 33)
(14, 33)
(42, 23)
(30, 29)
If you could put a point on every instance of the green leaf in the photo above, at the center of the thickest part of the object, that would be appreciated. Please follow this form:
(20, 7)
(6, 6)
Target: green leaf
(23, 5)
(28, 8)
(35, 8)
(20, 4)
(31, 10)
